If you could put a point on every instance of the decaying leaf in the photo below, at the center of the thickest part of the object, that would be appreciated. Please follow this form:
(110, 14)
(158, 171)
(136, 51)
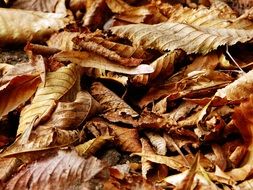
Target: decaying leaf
(87, 59)
(189, 38)
(8, 167)
(114, 108)
(128, 139)
(43, 174)
(20, 26)
(57, 84)
(92, 146)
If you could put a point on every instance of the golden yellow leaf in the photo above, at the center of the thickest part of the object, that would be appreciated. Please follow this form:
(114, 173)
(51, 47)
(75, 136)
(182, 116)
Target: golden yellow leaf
(57, 84)
(88, 59)
(169, 36)
(20, 26)
(92, 146)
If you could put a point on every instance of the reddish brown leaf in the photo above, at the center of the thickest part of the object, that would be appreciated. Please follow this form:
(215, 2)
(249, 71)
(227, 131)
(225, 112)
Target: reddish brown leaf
(67, 168)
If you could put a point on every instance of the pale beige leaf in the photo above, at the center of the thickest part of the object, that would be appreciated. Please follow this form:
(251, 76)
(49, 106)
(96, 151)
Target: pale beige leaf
(92, 146)
(172, 35)
(85, 59)
(20, 26)
(57, 84)
(239, 89)
(65, 170)
(158, 142)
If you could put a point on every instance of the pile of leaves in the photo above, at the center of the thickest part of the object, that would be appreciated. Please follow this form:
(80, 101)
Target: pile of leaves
(113, 94)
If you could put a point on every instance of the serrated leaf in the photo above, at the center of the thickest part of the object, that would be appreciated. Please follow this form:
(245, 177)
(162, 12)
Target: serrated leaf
(70, 170)
(57, 84)
(92, 146)
(169, 36)
(19, 26)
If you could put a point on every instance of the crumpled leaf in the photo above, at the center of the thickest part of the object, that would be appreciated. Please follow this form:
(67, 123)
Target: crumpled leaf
(20, 26)
(114, 108)
(127, 139)
(57, 84)
(239, 89)
(88, 59)
(44, 173)
(69, 115)
(169, 36)
(92, 146)
(158, 142)
(243, 120)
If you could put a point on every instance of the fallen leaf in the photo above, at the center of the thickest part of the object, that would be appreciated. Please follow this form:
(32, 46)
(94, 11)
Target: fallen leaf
(92, 146)
(16, 30)
(127, 139)
(79, 173)
(114, 108)
(189, 38)
(8, 167)
(57, 84)
(158, 142)
(86, 59)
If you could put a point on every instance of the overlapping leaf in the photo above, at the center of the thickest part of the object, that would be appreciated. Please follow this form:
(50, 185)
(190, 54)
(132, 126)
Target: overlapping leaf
(191, 39)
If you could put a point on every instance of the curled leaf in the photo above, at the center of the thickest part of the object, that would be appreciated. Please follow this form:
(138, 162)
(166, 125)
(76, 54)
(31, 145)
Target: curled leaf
(85, 59)
(57, 84)
(158, 142)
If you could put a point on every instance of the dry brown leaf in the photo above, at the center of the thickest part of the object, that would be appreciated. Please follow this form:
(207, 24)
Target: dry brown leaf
(90, 147)
(98, 127)
(169, 36)
(57, 6)
(20, 26)
(87, 59)
(171, 162)
(127, 139)
(69, 115)
(158, 142)
(145, 164)
(8, 167)
(57, 84)
(220, 157)
(163, 67)
(243, 120)
(17, 91)
(239, 89)
(62, 40)
(44, 174)
(114, 108)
